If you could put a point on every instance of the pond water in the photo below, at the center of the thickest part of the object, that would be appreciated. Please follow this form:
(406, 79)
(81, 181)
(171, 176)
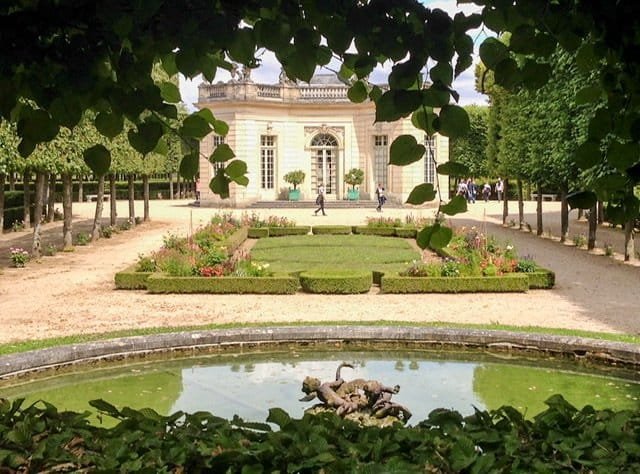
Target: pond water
(249, 384)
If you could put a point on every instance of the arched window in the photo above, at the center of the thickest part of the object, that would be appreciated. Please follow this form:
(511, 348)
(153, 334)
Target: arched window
(324, 162)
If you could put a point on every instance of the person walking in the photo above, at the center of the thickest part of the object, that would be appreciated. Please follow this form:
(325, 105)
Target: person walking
(499, 189)
(381, 197)
(486, 192)
(320, 201)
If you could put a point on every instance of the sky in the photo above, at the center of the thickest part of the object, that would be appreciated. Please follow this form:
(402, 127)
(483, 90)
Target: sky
(269, 70)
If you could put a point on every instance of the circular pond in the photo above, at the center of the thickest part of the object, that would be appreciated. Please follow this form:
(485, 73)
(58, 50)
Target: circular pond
(249, 384)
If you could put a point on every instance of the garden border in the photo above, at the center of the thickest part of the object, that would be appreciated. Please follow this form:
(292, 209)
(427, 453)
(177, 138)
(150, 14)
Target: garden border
(577, 348)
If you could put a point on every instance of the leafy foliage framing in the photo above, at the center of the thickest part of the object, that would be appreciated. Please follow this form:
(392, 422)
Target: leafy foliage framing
(60, 59)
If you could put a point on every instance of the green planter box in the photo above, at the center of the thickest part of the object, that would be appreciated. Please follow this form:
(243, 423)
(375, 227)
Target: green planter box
(353, 194)
(294, 195)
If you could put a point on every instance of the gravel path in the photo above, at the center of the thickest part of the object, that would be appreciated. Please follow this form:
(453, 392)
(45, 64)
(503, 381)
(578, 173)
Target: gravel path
(73, 293)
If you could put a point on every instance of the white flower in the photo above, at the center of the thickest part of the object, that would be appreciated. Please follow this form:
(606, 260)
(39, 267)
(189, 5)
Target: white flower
(509, 247)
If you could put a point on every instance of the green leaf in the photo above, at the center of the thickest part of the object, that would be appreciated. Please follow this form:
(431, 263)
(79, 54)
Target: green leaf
(435, 97)
(586, 59)
(442, 72)
(219, 184)
(146, 138)
(235, 169)
(222, 153)
(195, 126)
(357, 92)
(588, 95)
(189, 165)
(507, 73)
(454, 121)
(457, 205)
(535, 75)
(522, 39)
(423, 119)
(587, 155)
(405, 150)
(434, 236)
(600, 125)
(395, 104)
(206, 114)
(404, 75)
(170, 92)
(582, 200)
(610, 183)
(623, 155)
(220, 127)
(37, 126)
(279, 417)
(168, 62)
(422, 193)
(98, 159)
(492, 51)
(243, 46)
(453, 168)
(109, 124)
(67, 111)
(105, 407)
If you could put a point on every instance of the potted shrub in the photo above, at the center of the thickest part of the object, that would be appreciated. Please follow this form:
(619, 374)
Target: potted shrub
(354, 177)
(294, 177)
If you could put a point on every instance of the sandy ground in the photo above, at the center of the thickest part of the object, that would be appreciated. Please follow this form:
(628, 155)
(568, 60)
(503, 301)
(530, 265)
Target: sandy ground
(73, 293)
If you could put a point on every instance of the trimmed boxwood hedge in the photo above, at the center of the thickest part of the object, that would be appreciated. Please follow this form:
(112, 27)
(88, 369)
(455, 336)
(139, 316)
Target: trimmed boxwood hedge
(513, 282)
(297, 230)
(331, 229)
(405, 232)
(542, 279)
(258, 232)
(342, 282)
(235, 240)
(381, 231)
(276, 285)
(130, 279)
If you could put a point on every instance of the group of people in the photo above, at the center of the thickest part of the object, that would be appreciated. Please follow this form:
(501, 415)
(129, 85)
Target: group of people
(469, 190)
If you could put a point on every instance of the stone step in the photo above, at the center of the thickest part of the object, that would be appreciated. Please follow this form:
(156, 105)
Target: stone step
(328, 204)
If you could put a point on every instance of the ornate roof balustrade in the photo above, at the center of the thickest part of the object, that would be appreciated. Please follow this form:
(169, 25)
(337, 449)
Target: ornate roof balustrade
(283, 92)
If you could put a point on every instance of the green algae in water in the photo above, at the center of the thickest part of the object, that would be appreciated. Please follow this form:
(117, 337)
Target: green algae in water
(249, 384)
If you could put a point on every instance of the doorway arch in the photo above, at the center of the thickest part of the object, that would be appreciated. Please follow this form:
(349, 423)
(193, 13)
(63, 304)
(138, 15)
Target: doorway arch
(324, 162)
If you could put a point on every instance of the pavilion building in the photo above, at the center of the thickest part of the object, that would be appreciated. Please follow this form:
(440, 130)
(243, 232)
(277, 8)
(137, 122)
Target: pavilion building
(313, 127)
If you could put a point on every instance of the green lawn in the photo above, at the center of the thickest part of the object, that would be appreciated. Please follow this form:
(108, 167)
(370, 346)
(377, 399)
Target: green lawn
(323, 252)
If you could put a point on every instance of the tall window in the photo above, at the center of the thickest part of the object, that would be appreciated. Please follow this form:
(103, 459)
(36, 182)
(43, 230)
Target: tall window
(430, 160)
(215, 141)
(267, 160)
(380, 159)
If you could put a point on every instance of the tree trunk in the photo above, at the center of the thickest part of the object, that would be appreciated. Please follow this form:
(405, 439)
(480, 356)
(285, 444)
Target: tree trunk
(97, 219)
(12, 181)
(132, 207)
(539, 211)
(505, 201)
(67, 205)
(593, 226)
(3, 178)
(51, 198)
(145, 191)
(564, 214)
(628, 240)
(580, 213)
(170, 185)
(26, 203)
(520, 204)
(600, 212)
(178, 186)
(36, 246)
(113, 218)
(80, 188)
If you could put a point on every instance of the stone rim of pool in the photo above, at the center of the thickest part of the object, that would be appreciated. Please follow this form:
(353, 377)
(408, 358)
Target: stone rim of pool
(571, 347)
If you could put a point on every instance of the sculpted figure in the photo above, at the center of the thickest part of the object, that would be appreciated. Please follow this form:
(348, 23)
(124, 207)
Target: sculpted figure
(326, 393)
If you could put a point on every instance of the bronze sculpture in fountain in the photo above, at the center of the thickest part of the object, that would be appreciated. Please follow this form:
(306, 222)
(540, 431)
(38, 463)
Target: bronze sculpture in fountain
(365, 401)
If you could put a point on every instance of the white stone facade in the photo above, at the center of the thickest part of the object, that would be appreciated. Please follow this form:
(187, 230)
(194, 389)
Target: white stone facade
(310, 127)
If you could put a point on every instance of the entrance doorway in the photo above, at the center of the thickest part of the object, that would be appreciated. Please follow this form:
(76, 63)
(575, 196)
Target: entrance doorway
(324, 163)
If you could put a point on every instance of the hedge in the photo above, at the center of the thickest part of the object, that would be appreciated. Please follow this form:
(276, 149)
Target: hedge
(380, 231)
(276, 285)
(542, 279)
(331, 229)
(297, 230)
(513, 282)
(405, 232)
(130, 279)
(258, 232)
(235, 240)
(342, 282)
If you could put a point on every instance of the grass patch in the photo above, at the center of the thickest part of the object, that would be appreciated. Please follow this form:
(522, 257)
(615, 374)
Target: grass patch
(23, 346)
(325, 252)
